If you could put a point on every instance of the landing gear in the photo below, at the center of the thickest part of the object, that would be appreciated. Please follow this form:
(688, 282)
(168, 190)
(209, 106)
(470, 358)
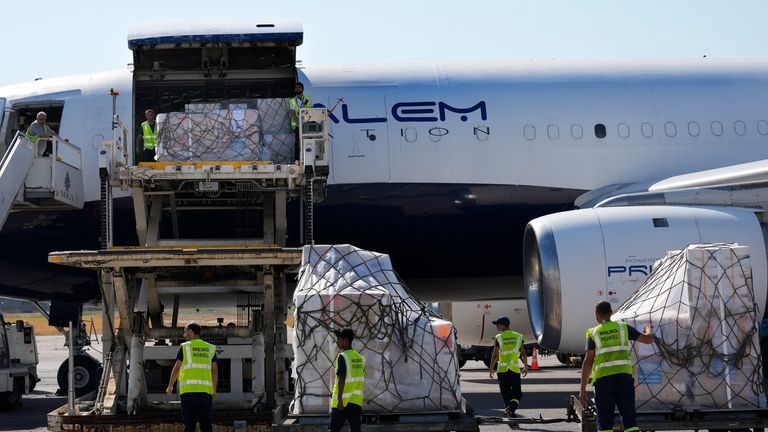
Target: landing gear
(87, 375)
(568, 359)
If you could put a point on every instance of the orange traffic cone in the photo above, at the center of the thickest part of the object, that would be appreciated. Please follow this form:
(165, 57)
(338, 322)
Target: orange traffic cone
(535, 361)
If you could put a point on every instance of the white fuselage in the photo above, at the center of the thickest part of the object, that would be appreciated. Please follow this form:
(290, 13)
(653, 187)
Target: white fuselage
(523, 123)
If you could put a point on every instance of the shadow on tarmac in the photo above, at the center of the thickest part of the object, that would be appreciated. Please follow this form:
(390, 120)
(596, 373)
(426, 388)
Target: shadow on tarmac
(28, 416)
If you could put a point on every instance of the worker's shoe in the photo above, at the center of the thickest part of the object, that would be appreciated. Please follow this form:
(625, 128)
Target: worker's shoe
(509, 412)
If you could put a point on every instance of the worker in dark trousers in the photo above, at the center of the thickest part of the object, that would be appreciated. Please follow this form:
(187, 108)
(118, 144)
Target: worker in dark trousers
(608, 361)
(198, 373)
(509, 351)
(347, 395)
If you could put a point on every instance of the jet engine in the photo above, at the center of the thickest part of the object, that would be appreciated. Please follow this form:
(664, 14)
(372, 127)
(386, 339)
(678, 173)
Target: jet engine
(575, 259)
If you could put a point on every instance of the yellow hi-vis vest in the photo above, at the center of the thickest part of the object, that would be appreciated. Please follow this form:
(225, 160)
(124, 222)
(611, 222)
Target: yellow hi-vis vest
(354, 382)
(195, 375)
(611, 349)
(509, 351)
(295, 109)
(35, 138)
(149, 136)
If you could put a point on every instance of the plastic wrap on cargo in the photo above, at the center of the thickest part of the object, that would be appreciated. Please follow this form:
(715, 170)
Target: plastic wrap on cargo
(706, 355)
(233, 130)
(411, 353)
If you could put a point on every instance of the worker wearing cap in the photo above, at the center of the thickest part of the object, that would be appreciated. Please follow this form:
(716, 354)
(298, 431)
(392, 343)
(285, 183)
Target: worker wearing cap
(347, 396)
(297, 103)
(608, 361)
(509, 351)
(198, 373)
(146, 141)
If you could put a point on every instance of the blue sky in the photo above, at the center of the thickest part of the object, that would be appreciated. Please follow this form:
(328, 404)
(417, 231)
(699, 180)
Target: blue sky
(50, 38)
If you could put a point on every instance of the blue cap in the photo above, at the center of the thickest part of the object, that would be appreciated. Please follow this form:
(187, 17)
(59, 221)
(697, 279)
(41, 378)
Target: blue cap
(501, 320)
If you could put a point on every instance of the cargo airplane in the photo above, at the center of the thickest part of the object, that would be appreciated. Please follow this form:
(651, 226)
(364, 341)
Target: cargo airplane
(441, 166)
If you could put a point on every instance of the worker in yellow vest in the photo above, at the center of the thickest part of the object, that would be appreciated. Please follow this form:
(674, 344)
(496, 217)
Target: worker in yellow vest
(39, 130)
(299, 101)
(509, 351)
(347, 395)
(608, 361)
(146, 140)
(198, 375)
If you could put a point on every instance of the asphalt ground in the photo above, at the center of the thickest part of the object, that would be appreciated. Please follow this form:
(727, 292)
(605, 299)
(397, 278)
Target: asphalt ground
(545, 392)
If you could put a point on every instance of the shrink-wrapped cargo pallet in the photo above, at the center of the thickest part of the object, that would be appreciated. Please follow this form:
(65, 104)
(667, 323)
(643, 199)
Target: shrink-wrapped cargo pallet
(411, 353)
(706, 354)
(240, 130)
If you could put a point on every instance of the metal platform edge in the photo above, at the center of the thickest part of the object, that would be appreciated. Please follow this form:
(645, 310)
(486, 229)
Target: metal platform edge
(226, 255)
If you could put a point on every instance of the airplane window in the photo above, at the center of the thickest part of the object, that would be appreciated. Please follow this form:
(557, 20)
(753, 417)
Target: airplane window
(530, 132)
(623, 130)
(670, 129)
(717, 128)
(646, 129)
(660, 223)
(553, 132)
(576, 131)
(693, 129)
(600, 130)
(739, 127)
(762, 127)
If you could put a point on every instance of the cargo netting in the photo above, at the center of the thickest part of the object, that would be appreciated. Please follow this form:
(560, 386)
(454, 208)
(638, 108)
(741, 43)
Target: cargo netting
(232, 130)
(706, 353)
(411, 353)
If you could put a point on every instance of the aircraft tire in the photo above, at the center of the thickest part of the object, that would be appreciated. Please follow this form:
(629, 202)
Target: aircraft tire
(12, 399)
(87, 375)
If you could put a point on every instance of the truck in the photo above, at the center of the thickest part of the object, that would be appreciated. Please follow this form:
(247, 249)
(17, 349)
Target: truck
(18, 362)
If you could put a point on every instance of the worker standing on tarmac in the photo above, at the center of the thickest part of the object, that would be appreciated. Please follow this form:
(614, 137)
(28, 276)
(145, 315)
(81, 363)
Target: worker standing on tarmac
(297, 103)
(198, 374)
(608, 360)
(509, 351)
(146, 141)
(347, 396)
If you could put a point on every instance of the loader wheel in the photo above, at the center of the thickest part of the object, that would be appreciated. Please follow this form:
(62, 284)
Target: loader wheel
(12, 399)
(87, 375)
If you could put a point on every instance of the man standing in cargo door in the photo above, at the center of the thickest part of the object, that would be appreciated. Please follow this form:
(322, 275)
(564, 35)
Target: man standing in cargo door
(146, 141)
(347, 395)
(198, 373)
(608, 360)
(297, 103)
(509, 351)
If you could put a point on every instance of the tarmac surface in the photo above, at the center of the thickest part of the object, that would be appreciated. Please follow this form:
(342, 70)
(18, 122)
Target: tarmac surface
(545, 392)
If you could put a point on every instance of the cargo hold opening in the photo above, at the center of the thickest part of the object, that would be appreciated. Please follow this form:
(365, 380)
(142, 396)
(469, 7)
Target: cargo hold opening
(189, 70)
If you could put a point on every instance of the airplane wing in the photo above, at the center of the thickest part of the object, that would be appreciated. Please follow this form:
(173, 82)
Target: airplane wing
(742, 185)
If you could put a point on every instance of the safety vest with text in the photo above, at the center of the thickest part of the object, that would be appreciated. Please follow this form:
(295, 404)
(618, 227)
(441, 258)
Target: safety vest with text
(195, 375)
(509, 351)
(611, 349)
(354, 381)
(149, 136)
(295, 109)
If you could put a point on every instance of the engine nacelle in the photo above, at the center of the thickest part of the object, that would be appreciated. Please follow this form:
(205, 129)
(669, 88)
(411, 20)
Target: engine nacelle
(575, 259)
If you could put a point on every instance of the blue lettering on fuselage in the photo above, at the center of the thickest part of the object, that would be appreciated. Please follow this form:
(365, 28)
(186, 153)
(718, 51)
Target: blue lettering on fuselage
(644, 270)
(427, 112)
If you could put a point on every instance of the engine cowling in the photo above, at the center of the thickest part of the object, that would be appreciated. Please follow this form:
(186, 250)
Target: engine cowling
(575, 259)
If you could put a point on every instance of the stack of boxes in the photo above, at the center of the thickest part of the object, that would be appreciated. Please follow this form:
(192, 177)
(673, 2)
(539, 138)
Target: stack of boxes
(707, 352)
(410, 353)
(251, 130)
